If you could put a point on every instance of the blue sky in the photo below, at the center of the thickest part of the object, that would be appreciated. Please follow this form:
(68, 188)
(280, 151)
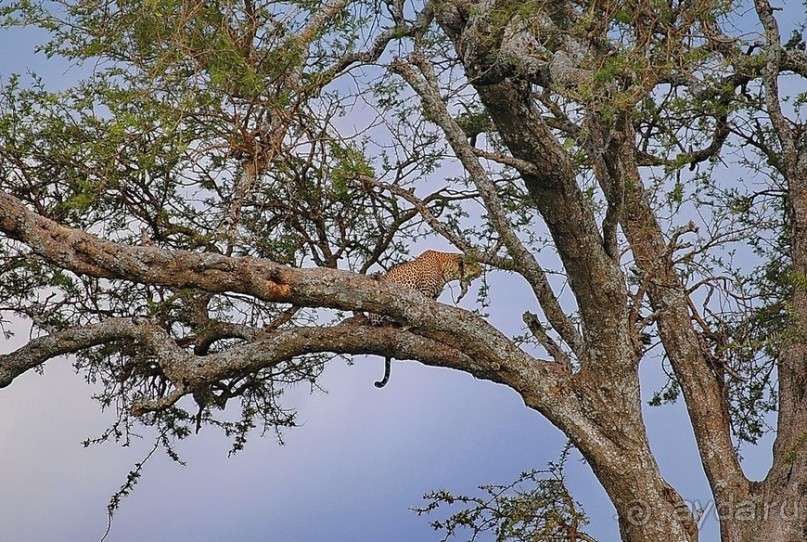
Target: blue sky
(361, 460)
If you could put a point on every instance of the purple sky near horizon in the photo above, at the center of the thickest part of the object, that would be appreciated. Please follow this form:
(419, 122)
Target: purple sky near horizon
(362, 458)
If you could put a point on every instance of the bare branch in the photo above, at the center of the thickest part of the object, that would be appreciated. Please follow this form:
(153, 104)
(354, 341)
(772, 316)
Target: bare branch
(424, 18)
(770, 79)
(546, 341)
(521, 165)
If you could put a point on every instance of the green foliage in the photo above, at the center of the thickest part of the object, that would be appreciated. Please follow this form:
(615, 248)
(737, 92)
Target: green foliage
(668, 394)
(611, 70)
(152, 146)
(351, 163)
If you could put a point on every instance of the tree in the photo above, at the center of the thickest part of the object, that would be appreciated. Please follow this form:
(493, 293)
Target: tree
(186, 219)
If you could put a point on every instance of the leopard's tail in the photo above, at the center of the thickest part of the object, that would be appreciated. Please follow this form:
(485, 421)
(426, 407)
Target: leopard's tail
(383, 382)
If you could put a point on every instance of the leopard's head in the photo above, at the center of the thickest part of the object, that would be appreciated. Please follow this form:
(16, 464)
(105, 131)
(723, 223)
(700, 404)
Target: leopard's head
(470, 269)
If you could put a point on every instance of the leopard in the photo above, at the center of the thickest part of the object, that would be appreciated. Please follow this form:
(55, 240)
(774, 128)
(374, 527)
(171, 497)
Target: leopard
(428, 274)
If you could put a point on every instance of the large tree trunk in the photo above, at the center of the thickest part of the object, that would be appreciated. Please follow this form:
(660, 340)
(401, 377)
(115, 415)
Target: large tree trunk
(648, 508)
(612, 434)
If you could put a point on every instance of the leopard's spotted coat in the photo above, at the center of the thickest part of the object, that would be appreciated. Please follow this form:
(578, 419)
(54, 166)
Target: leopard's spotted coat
(428, 273)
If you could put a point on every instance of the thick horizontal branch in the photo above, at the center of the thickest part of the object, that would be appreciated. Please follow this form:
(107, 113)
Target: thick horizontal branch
(348, 338)
(188, 372)
(507, 160)
(73, 340)
(87, 254)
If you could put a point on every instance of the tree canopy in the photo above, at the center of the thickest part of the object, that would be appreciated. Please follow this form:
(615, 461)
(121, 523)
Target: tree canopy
(197, 218)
